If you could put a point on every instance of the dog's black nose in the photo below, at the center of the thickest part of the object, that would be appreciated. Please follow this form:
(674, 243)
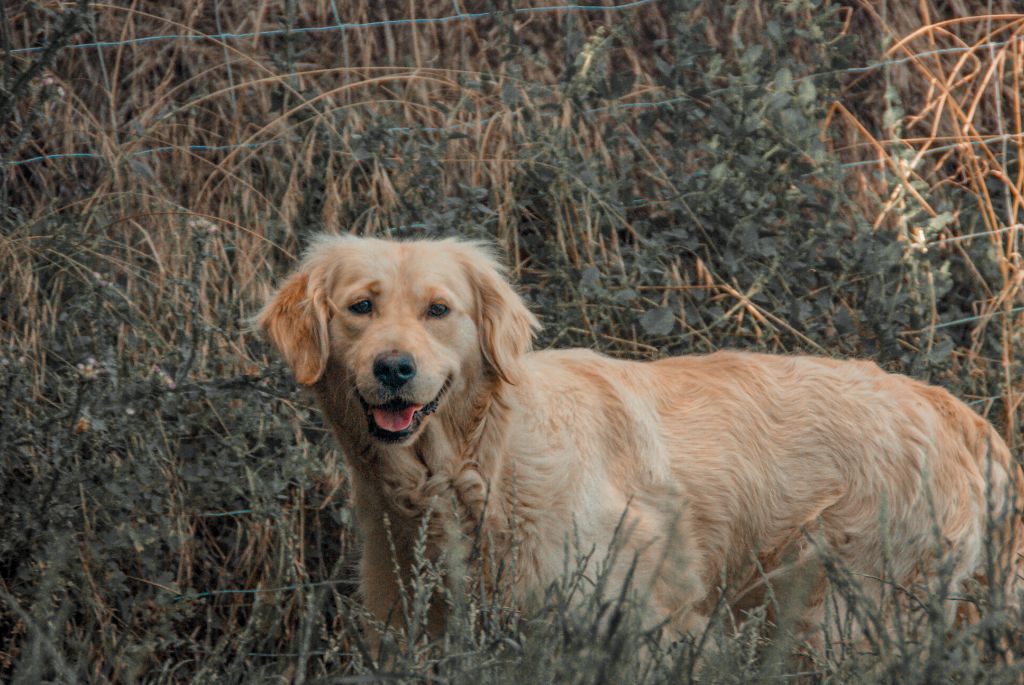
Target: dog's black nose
(394, 369)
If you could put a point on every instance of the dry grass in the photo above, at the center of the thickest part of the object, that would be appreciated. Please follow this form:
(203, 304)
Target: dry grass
(334, 87)
(954, 122)
(126, 278)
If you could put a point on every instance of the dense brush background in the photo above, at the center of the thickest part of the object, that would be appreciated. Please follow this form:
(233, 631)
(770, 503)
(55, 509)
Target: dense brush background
(678, 176)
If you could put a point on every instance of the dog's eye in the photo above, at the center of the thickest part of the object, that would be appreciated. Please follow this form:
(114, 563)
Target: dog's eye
(437, 310)
(361, 307)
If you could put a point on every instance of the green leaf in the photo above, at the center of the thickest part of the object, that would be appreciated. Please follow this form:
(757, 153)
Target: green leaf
(941, 350)
(783, 80)
(807, 93)
(658, 321)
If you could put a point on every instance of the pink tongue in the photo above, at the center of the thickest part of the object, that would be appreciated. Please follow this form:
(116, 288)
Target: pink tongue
(394, 420)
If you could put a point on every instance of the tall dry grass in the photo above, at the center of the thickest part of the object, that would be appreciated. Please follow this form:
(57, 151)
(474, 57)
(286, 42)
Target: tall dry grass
(951, 124)
(295, 97)
(174, 508)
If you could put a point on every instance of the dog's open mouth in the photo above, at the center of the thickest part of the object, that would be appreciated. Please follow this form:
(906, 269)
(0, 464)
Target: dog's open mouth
(398, 419)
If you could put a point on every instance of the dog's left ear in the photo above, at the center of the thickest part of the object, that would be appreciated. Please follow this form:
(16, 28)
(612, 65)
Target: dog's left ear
(295, 319)
(506, 326)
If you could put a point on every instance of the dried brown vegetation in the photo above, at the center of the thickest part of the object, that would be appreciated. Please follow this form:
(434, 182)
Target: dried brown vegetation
(841, 178)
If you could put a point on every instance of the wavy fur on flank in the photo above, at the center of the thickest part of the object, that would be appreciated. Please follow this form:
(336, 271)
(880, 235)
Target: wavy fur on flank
(722, 468)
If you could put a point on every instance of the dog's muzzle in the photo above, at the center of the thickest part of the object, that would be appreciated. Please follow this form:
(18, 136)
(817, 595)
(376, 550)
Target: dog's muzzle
(398, 419)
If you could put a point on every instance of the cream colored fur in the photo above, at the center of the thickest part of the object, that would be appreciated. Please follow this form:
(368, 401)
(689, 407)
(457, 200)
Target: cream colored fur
(717, 460)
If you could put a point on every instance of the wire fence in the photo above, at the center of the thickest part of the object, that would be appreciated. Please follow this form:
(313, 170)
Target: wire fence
(342, 27)
(473, 16)
(460, 15)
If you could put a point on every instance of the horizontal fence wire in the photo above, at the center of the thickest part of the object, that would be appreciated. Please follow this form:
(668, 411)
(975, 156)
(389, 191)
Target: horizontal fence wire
(261, 590)
(219, 514)
(979, 317)
(988, 140)
(342, 27)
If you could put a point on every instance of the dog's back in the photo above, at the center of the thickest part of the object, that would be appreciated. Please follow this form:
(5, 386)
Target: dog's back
(769, 451)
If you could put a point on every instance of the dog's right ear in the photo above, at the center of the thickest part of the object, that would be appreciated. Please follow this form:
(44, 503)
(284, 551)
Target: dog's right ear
(295, 319)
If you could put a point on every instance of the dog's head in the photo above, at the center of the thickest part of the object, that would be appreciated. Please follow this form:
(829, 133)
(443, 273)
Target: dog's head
(405, 323)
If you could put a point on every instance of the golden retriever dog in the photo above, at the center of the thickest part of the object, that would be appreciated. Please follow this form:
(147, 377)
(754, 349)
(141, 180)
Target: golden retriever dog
(720, 472)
